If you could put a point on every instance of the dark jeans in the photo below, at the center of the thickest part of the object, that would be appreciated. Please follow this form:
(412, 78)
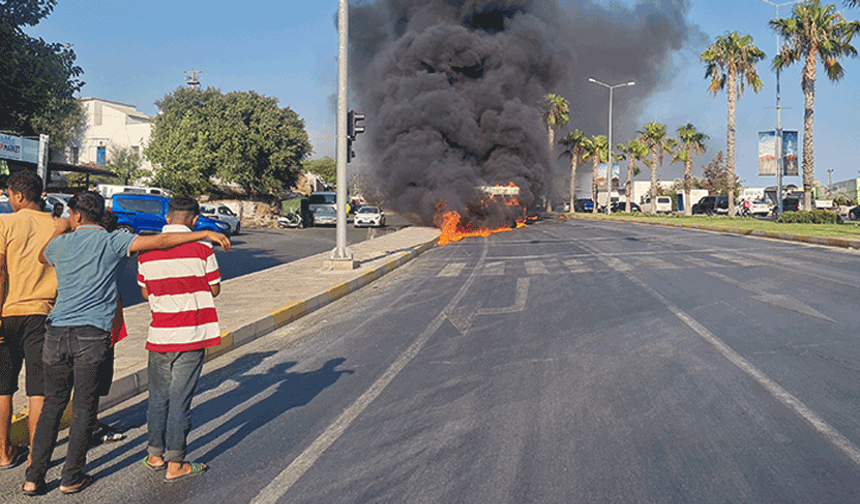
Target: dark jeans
(172, 379)
(72, 356)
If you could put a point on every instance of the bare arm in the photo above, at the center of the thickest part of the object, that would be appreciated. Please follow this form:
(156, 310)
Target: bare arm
(3, 278)
(169, 240)
(216, 289)
(62, 225)
(144, 293)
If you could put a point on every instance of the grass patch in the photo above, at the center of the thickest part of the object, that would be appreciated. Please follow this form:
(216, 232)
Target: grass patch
(847, 230)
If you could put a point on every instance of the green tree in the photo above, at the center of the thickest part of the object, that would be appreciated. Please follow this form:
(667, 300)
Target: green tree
(717, 179)
(653, 135)
(241, 137)
(731, 60)
(325, 168)
(573, 149)
(692, 142)
(125, 164)
(594, 148)
(37, 79)
(634, 151)
(813, 32)
(555, 114)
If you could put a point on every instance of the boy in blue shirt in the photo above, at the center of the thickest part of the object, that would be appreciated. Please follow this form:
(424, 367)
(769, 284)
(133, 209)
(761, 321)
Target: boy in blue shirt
(79, 329)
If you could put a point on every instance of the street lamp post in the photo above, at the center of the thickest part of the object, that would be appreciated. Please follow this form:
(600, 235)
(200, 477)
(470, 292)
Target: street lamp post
(609, 141)
(779, 166)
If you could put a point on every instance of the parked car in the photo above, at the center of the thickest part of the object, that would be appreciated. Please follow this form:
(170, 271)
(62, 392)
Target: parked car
(325, 216)
(369, 216)
(752, 208)
(621, 206)
(583, 205)
(146, 212)
(664, 205)
(222, 213)
(791, 204)
(854, 213)
(5, 207)
(710, 205)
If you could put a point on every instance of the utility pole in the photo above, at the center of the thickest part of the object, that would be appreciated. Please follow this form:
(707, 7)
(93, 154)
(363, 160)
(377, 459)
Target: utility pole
(830, 181)
(192, 81)
(779, 164)
(341, 257)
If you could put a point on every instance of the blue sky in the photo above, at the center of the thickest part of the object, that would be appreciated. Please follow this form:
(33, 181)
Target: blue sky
(136, 52)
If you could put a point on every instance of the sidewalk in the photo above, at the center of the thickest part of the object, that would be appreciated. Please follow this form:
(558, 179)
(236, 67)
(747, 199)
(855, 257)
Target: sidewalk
(254, 305)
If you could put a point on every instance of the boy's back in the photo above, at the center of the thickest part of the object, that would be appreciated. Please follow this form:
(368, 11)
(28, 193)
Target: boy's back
(177, 282)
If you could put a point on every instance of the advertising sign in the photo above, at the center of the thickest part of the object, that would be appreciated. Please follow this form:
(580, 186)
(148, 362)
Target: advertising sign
(789, 153)
(767, 153)
(10, 147)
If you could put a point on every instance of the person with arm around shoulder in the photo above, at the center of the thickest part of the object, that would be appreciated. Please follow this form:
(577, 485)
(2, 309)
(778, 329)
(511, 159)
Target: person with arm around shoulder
(78, 331)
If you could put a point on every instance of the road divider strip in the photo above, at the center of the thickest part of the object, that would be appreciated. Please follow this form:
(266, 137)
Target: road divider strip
(815, 240)
(137, 382)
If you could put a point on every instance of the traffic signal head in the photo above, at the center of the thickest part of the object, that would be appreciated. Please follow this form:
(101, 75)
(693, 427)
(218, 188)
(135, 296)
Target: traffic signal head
(353, 124)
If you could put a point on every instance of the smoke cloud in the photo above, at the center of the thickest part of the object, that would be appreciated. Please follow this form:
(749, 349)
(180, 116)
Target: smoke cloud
(451, 87)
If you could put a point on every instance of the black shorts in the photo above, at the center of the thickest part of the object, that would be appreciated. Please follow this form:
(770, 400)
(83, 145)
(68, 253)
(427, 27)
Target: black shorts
(23, 339)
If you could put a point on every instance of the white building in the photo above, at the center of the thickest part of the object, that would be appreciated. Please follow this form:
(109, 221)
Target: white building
(106, 125)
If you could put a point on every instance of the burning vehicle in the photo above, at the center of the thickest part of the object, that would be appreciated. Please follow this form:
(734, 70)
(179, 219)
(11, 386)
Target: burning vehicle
(498, 210)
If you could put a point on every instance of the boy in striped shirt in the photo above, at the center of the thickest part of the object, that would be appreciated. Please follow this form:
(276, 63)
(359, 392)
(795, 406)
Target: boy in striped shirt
(180, 284)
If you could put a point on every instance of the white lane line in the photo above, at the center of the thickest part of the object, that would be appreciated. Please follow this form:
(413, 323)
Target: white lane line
(701, 263)
(536, 268)
(452, 270)
(819, 424)
(282, 483)
(654, 263)
(616, 263)
(494, 269)
(743, 261)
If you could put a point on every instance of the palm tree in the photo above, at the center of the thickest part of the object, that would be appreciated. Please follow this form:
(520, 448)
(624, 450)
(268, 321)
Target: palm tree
(653, 135)
(573, 148)
(595, 149)
(813, 32)
(555, 113)
(731, 60)
(693, 142)
(634, 151)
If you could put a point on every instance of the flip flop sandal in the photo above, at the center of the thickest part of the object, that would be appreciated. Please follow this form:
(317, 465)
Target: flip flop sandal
(19, 458)
(196, 470)
(151, 467)
(84, 483)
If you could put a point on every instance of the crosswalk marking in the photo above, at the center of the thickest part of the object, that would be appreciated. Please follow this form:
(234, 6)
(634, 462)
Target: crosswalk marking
(452, 270)
(743, 261)
(494, 269)
(576, 266)
(695, 261)
(536, 268)
(616, 264)
(653, 262)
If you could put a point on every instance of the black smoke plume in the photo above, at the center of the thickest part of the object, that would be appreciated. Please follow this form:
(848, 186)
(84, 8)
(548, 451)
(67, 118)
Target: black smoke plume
(452, 88)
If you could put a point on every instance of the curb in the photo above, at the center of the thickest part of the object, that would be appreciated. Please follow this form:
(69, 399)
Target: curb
(138, 382)
(815, 240)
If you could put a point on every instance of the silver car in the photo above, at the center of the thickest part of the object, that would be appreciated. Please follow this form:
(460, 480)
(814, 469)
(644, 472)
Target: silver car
(369, 216)
(325, 216)
(222, 213)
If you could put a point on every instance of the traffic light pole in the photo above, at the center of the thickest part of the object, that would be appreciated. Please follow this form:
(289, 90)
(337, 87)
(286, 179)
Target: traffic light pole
(341, 258)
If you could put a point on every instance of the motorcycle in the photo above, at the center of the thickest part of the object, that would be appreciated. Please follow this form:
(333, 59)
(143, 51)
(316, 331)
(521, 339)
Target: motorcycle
(291, 220)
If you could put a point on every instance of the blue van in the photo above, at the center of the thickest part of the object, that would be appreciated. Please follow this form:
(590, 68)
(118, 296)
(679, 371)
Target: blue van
(147, 212)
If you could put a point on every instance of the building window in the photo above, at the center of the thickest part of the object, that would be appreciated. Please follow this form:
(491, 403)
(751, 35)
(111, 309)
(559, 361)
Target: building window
(100, 156)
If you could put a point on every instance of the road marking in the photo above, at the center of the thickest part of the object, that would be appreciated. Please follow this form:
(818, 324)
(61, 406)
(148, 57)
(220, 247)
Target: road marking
(282, 483)
(615, 263)
(494, 269)
(833, 436)
(452, 270)
(654, 263)
(743, 261)
(780, 300)
(463, 316)
(701, 263)
(536, 268)
(576, 266)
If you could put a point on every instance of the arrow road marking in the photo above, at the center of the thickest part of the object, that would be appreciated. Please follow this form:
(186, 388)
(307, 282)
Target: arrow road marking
(780, 300)
(462, 317)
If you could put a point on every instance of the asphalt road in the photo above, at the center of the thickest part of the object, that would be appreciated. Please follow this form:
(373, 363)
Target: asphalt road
(259, 248)
(567, 362)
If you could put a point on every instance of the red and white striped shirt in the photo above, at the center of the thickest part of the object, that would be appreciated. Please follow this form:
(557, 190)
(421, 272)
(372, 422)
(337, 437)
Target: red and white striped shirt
(177, 281)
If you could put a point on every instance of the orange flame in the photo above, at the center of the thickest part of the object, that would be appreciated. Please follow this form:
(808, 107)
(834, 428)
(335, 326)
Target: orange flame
(454, 227)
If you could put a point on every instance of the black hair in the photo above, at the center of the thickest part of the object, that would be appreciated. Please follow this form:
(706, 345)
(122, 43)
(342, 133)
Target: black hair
(184, 203)
(89, 203)
(27, 183)
(58, 210)
(109, 220)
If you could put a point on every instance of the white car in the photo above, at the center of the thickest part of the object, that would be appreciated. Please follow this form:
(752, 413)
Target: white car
(369, 216)
(222, 213)
(664, 205)
(755, 208)
(52, 199)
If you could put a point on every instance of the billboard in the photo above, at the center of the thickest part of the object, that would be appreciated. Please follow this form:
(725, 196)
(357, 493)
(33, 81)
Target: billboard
(767, 153)
(11, 147)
